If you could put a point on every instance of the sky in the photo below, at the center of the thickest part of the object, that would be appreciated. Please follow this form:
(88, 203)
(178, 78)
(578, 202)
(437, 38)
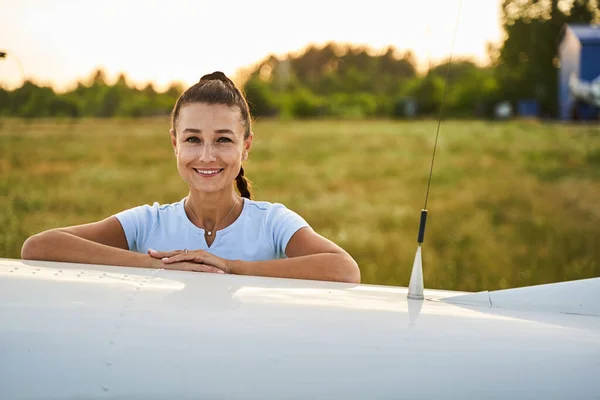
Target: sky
(58, 42)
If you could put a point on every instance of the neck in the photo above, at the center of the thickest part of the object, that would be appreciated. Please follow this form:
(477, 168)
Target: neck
(212, 211)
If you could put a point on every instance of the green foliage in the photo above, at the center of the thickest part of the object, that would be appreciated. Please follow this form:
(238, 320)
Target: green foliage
(305, 104)
(335, 80)
(428, 92)
(352, 105)
(260, 97)
(352, 82)
(96, 99)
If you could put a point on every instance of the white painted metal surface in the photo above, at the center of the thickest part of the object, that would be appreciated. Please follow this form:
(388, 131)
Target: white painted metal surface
(71, 331)
(588, 92)
(578, 297)
(415, 286)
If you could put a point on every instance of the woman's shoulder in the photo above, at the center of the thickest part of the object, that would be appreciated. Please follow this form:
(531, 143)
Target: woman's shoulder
(154, 209)
(278, 222)
(260, 206)
(271, 212)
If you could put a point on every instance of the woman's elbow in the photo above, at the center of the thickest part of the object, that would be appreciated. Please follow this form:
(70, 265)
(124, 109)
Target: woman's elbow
(28, 250)
(33, 247)
(350, 273)
(353, 276)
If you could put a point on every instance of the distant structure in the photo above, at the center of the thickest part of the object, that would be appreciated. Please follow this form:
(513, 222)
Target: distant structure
(579, 74)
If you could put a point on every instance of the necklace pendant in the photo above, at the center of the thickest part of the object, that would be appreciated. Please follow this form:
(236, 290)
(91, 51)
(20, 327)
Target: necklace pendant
(209, 233)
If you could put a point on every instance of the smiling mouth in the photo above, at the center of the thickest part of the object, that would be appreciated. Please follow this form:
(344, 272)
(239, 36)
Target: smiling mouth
(208, 172)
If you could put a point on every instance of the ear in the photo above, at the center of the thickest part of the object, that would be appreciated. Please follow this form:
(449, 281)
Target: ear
(248, 142)
(173, 140)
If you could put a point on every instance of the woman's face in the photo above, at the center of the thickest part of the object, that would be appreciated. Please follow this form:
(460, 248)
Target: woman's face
(209, 145)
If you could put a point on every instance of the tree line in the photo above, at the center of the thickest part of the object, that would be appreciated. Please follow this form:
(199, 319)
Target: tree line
(96, 98)
(347, 81)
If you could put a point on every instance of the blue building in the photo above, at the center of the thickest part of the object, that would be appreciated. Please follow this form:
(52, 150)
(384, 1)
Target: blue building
(579, 53)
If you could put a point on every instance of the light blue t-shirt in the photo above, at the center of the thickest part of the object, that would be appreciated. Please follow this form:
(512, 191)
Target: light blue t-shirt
(261, 232)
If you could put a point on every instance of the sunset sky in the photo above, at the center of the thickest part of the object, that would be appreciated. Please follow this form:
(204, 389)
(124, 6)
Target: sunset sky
(61, 41)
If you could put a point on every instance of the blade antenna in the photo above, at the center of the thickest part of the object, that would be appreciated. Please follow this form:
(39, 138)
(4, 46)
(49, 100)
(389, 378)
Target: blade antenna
(415, 287)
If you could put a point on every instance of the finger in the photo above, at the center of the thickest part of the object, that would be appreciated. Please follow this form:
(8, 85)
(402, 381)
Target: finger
(184, 266)
(163, 254)
(183, 257)
(208, 268)
(154, 253)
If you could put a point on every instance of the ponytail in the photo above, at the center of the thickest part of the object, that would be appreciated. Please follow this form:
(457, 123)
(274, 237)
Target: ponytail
(243, 184)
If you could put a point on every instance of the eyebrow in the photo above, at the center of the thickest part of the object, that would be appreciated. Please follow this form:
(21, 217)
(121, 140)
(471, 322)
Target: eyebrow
(222, 131)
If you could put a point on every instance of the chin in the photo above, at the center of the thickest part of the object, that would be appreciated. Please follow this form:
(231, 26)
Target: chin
(210, 187)
(221, 182)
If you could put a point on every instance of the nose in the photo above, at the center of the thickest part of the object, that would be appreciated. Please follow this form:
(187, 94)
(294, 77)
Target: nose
(207, 154)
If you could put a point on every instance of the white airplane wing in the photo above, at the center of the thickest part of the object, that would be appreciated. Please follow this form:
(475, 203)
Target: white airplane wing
(75, 331)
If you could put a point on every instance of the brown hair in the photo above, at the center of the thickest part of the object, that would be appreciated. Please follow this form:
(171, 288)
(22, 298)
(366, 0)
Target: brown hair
(216, 88)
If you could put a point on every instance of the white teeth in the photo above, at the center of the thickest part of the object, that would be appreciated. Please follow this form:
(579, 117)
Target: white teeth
(208, 172)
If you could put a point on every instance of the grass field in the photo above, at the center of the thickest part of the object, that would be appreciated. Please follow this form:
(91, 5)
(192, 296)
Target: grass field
(511, 204)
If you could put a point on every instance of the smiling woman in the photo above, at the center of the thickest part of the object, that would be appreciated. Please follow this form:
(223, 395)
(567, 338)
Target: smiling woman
(214, 228)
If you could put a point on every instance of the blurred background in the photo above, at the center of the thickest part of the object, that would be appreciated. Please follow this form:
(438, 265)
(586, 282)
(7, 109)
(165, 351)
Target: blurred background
(345, 99)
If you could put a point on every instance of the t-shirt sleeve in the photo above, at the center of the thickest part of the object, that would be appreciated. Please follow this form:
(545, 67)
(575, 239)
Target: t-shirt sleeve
(137, 224)
(282, 223)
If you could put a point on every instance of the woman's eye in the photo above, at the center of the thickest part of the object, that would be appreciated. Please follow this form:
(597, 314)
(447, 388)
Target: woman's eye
(192, 139)
(224, 139)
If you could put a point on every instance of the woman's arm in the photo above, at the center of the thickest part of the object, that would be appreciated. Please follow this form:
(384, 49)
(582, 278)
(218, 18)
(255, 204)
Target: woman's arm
(310, 256)
(102, 242)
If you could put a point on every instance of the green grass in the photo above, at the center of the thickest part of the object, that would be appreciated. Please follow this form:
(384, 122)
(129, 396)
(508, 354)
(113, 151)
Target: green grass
(511, 204)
